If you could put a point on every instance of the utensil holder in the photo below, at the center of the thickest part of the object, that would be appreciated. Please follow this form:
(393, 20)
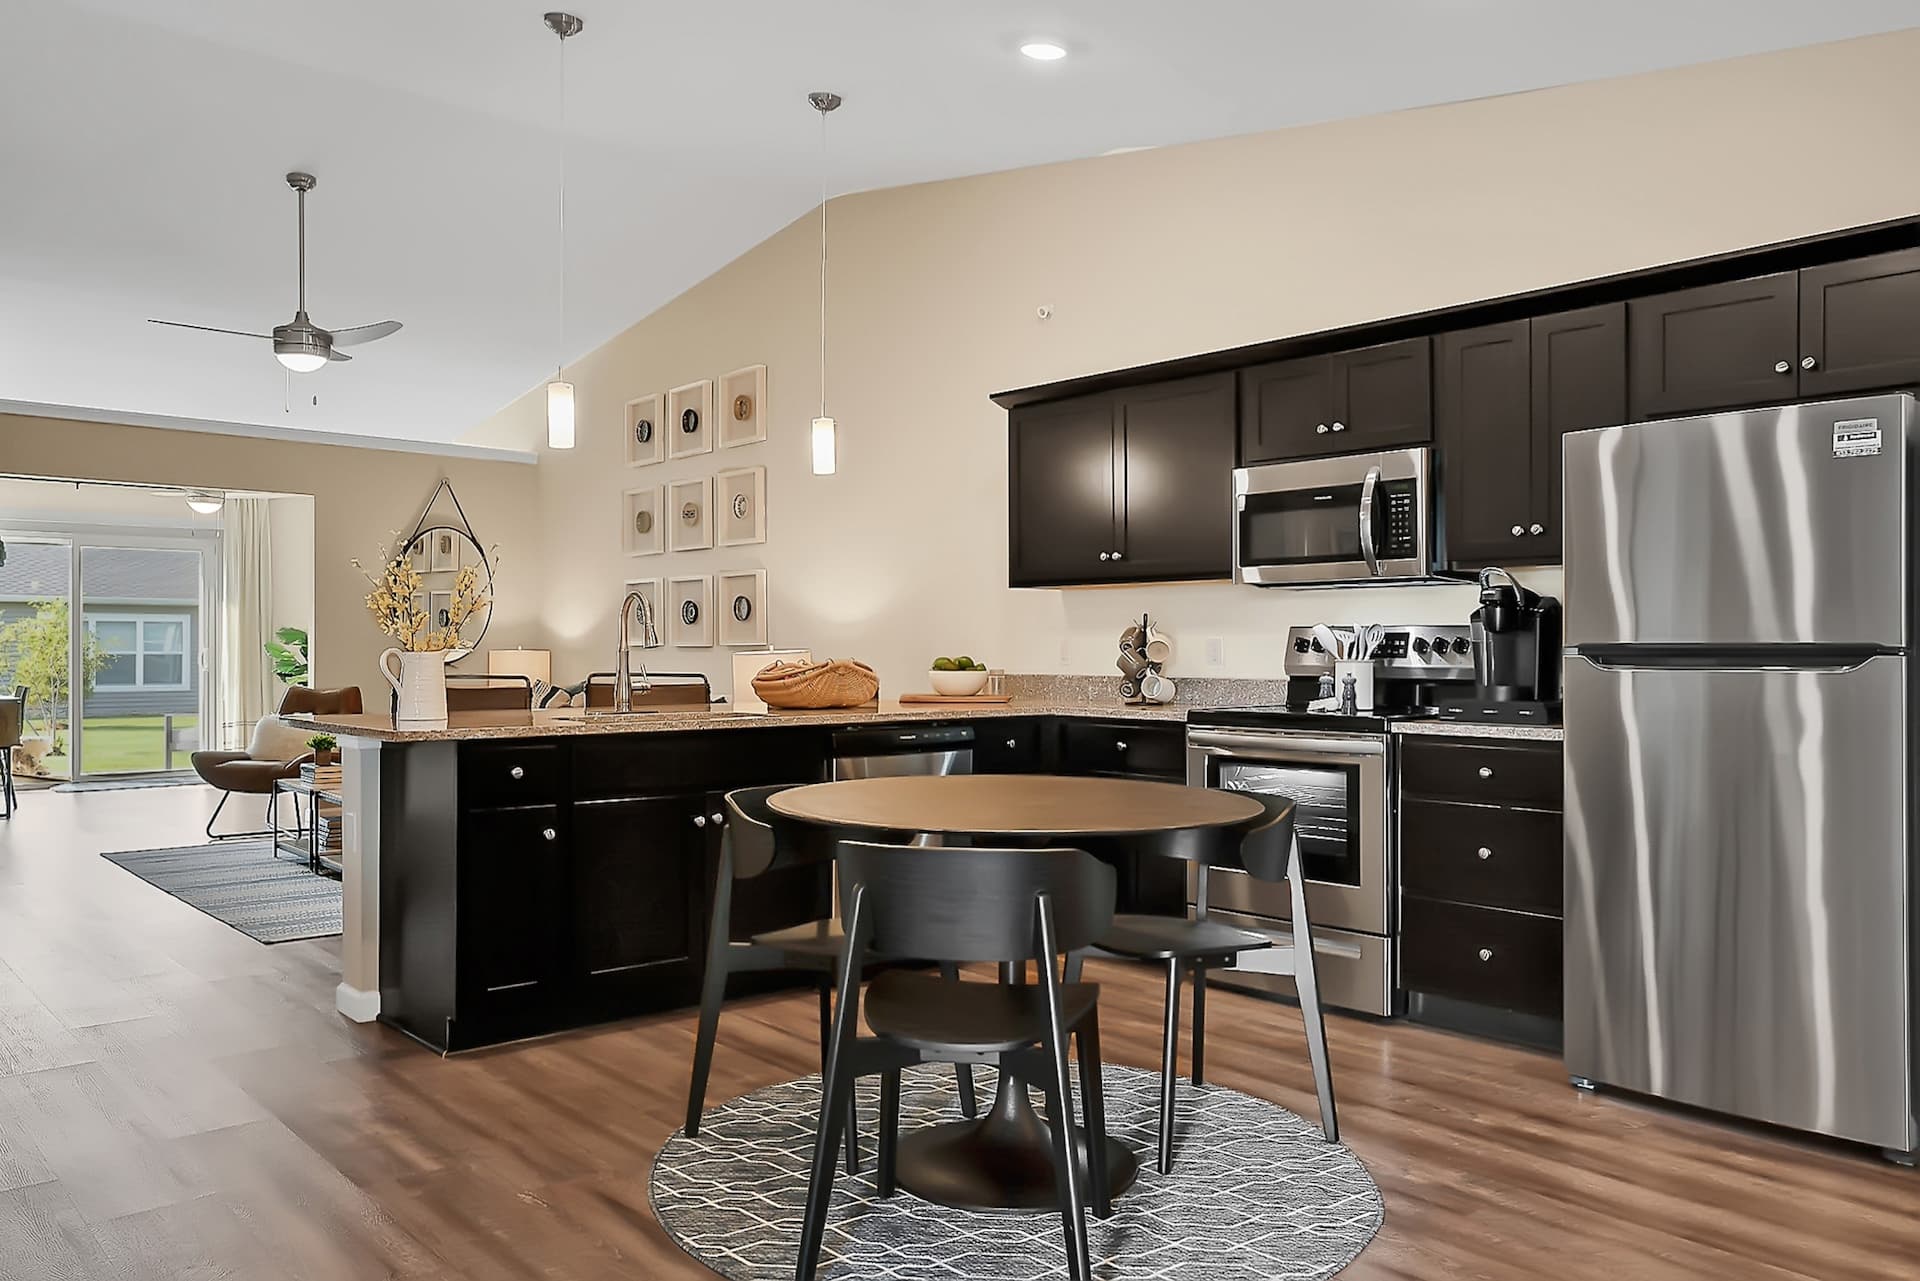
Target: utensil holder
(1362, 673)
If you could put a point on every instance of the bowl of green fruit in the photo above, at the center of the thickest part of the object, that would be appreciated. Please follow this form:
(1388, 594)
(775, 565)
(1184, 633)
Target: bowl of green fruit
(958, 677)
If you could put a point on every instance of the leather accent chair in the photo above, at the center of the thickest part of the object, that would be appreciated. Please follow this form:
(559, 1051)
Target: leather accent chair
(13, 719)
(276, 751)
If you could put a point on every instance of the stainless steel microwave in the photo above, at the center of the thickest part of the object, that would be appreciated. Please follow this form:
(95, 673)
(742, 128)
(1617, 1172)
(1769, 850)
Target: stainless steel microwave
(1364, 518)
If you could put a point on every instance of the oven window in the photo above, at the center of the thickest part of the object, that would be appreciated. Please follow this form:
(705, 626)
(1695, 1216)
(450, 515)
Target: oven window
(1326, 813)
(1301, 526)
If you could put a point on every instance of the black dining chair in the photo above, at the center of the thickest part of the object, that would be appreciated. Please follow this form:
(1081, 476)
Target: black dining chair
(1267, 849)
(748, 850)
(956, 905)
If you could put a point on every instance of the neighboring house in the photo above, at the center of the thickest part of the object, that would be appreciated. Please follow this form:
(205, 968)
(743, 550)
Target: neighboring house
(143, 607)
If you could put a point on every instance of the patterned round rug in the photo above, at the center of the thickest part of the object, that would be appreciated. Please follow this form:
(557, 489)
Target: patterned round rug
(1256, 1194)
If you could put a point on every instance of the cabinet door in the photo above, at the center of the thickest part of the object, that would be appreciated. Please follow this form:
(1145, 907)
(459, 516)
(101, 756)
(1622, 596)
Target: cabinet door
(635, 900)
(1382, 397)
(1286, 410)
(513, 863)
(1579, 382)
(1176, 465)
(1860, 324)
(1484, 423)
(1062, 517)
(1714, 347)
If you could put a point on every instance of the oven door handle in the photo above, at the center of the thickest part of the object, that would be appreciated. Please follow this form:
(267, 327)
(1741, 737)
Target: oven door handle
(1367, 549)
(1255, 746)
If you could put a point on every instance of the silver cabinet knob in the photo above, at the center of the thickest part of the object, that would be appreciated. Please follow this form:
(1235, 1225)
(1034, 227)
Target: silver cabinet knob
(1011, 744)
(1106, 555)
(699, 820)
(1808, 362)
(1486, 954)
(1321, 430)
(1783, 367)
(719, 820)
(1339, 426)
(1486, 771)
(1517, 531)
(516, 772)
(549, 835)
(1119, 744)
(1484, 853)
(1536, 530)
(1116, 555)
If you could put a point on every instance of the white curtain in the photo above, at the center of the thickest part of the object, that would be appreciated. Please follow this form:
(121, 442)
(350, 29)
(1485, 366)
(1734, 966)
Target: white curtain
(248, 687)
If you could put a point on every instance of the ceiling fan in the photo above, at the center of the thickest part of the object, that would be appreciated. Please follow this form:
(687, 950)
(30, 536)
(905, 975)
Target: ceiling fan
(301, 345)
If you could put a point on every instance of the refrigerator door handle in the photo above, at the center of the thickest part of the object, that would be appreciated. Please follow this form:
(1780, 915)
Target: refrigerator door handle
(1837, 668)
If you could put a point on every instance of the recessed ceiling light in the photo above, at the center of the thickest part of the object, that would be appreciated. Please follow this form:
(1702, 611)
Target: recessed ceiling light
(1043, 51)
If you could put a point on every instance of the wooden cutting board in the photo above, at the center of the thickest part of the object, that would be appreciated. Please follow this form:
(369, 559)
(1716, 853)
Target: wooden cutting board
(956, 698)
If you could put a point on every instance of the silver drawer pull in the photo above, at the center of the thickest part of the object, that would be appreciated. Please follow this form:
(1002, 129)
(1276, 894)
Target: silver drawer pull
(719, 820)
(1486, 771)
(1011, 744)
(1486, 954)
(550, 834)
(1484, 852)
(1119, 744)
(1321, 430)
(516, 772)
(699, 820)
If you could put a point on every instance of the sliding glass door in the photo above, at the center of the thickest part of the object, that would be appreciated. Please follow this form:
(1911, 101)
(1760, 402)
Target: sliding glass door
(36, 648)
(142, 642)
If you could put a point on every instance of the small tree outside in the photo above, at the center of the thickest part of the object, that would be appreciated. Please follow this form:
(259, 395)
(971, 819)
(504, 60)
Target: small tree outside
(37, 649)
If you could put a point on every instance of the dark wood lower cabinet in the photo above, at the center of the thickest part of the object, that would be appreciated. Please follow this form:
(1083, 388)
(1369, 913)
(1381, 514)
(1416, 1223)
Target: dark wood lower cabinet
(1504, 960)
(636, 902)
(512, 885)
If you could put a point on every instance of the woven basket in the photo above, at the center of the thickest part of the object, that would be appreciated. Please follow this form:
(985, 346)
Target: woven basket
(838, 682)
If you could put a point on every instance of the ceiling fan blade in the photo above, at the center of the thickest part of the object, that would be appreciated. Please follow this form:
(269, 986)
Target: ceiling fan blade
(337, 355)
(364, 333)
(209, 329)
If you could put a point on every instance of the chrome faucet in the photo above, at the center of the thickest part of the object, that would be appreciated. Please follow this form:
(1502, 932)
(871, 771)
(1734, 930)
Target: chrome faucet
(634, 604)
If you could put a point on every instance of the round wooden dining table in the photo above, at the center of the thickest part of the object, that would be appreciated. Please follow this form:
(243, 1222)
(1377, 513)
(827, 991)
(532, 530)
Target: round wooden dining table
(1004, 1160)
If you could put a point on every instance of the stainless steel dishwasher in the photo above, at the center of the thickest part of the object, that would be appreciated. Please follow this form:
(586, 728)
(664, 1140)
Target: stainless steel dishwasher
(891, 753)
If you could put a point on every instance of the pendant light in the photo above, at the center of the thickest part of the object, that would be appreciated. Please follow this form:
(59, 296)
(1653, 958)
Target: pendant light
(559, 390)
(823, 443)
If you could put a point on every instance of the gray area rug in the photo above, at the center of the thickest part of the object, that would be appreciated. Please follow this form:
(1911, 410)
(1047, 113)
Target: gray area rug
(129, 784)
(272, 900)
(1255, 1195)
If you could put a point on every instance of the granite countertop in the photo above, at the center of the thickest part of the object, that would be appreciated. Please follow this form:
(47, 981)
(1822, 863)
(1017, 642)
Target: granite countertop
(570, 722)
(1480, 729)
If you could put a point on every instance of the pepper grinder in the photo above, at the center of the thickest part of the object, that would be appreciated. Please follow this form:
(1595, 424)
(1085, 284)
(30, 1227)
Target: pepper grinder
(1349, 696)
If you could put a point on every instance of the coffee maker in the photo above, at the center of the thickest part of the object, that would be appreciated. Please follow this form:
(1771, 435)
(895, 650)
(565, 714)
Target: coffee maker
(1516, 655)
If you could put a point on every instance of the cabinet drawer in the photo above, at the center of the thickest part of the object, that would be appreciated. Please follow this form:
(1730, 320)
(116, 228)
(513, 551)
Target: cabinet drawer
(1508, 960)
(1482, 772)
(1110, 747)
(498, 774)
(716, 760)
(1477, 854)
(1006, 746)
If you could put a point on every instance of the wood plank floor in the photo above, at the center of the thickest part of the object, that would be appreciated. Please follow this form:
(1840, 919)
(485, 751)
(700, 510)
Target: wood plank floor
(178, 1101)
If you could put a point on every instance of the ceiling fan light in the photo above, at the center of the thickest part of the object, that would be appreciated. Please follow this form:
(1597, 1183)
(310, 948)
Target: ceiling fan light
(301, 354)
(205, 504)
(559, 415)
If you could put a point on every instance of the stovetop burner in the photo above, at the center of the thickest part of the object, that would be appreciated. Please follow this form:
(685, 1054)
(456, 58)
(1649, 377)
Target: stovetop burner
(1294, 716)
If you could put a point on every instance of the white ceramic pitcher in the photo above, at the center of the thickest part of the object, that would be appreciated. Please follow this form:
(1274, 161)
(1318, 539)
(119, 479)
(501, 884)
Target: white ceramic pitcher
(420, 680)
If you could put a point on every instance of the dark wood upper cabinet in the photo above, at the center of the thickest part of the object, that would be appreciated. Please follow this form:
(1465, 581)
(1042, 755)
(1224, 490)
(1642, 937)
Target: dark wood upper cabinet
(1132, 485)
(1374, 398)
(1176, 464)
(1860, 324)
(1062, 509)
(1579, 380)
(1715, 347)
(1383, 397)
(1483, 423)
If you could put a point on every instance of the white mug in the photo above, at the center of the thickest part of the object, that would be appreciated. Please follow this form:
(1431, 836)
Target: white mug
(1159, 648)
(1156, 688)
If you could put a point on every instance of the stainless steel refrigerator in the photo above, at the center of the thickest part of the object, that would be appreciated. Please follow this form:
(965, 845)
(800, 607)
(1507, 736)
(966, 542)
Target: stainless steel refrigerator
(1740, 907)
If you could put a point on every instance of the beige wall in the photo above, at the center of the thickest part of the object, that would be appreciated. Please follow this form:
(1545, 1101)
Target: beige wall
(294, 558)
(1157, 254)
(362, 500)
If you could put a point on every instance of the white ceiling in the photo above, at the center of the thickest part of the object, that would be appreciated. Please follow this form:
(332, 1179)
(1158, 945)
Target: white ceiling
(142, 146)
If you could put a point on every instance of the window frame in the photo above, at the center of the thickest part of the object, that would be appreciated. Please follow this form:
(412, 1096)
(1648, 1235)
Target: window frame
(140, 620)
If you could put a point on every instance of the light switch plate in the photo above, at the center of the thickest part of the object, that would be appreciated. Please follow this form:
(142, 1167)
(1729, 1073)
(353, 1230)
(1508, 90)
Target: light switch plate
(1215, 652)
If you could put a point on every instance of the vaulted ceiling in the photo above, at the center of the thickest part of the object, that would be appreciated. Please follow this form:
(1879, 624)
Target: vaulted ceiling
(142, 147)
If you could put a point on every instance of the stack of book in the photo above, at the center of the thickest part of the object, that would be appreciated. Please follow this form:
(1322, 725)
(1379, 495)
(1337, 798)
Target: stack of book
(325, 777)
(327, 827)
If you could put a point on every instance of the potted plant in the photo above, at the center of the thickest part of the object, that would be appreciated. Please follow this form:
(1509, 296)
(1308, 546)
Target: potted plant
(326, 749)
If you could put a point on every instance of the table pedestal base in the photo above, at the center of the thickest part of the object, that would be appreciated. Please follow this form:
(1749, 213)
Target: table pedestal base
(1003, 1161)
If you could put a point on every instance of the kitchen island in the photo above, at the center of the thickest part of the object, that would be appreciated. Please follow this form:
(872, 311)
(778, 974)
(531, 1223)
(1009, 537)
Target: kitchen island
(510, 874)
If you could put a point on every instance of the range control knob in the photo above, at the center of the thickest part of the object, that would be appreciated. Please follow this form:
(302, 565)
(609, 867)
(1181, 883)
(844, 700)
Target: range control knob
(1461, 645)
(1301, 645)
(1421, 645)
(1318, 648)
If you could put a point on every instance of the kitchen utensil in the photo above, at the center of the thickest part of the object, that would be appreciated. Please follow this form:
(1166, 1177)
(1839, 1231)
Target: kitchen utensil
(1331, 640)
(1369, 638)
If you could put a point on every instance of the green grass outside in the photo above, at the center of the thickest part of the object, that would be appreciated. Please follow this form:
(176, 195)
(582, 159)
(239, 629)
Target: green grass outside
(125, 744)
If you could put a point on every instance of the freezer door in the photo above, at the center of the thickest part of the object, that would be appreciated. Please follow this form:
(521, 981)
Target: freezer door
(1736, 891)
(1760, 527)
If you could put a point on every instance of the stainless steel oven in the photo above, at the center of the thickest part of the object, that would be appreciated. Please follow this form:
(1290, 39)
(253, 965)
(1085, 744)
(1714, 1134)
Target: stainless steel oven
(1365, 518)
(1341, 783)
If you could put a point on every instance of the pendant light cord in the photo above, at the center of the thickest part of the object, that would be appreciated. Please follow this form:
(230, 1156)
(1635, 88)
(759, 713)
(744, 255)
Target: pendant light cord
(561, 217)
(823, 264)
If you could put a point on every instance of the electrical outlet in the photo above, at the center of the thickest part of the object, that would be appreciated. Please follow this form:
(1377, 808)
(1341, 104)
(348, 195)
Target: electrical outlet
(1215, 652)
(1066, 653)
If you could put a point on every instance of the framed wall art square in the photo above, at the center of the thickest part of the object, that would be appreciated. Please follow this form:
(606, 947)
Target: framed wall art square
(742, 603)
(643, 431)
(650, 589)
(690, 514)
(690, 612)
(643, 530)
(440, 610)
(444, 554)
(690, 419)
(740, 506)
(743, 407)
